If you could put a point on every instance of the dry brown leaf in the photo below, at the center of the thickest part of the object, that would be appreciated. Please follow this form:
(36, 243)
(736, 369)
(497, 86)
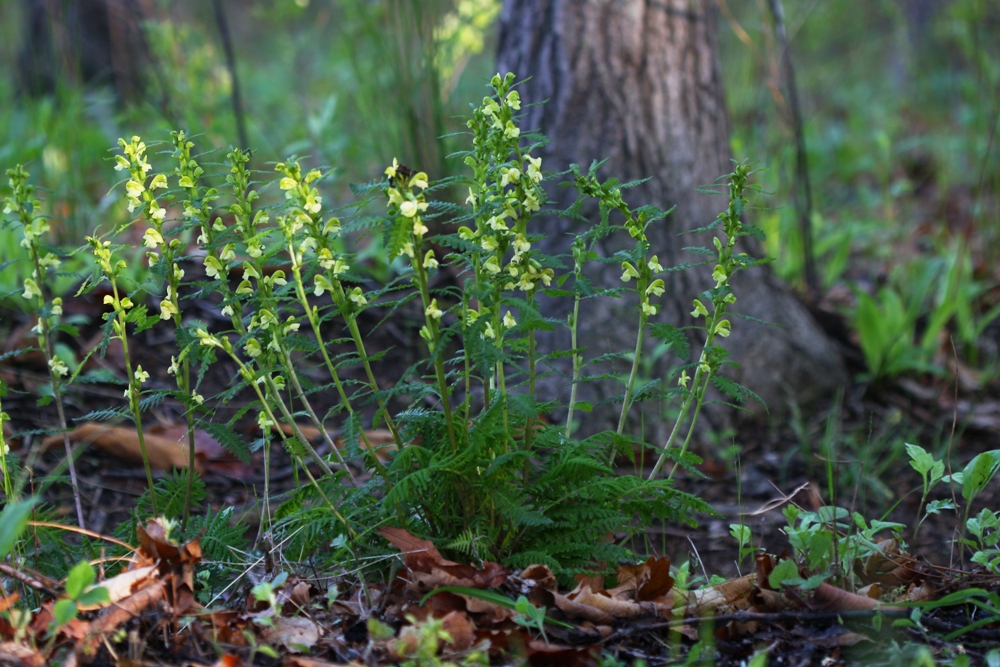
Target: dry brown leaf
(296, 633)
(541, 653)
(614, 608)
(123, 443)
(461, 629)
(428, 569)
(575, 609)
(12, 653)
(125, 610)
(645, 582)
(827, 597)
(541, 575)
(123, 585)
(727, 597)
(888, 566)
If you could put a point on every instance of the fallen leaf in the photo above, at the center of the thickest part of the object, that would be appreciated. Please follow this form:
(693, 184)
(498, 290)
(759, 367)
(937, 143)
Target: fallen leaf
(296, 633)
(123, 585)
(12, 653)
(428, 569)
(123, 442)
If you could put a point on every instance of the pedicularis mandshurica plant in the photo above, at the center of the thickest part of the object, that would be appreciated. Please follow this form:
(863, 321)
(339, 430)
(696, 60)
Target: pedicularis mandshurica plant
(475, 462)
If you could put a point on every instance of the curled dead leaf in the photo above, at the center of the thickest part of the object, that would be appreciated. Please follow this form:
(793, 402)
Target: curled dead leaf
(123, 442)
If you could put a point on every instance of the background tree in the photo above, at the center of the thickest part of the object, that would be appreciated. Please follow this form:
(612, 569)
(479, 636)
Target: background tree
(639, 83)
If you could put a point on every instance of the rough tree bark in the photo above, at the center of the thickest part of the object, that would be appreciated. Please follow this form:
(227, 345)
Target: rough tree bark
(638, 82)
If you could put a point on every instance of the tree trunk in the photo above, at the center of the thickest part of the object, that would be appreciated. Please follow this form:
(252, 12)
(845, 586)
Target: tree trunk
(638, 82)
(94, 42)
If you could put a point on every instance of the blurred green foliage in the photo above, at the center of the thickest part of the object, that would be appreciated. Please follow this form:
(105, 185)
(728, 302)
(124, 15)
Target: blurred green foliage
(900, 100)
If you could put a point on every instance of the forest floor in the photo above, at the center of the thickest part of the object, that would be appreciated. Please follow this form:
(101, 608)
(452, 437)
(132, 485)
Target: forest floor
(777, 464)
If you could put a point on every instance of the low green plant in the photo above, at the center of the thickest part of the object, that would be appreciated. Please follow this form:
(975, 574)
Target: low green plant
(474, 465)
(44, 262)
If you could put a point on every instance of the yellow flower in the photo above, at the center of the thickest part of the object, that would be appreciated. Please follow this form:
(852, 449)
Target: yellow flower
(140, 375)
(534, 168)
(509, 321)
(683, 380)
(168, 309)
(430, 262)
(152, 238)
(699, 309)
(419, 180)
(287, 183)
(357, 296)
(390, 171)
(30, 289)
(408, 208)
(433, 311)
(58, 367)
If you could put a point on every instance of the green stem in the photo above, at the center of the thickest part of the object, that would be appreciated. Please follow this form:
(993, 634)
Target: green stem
(576, 365)
(133, 394)
(694, 420)
(627, 400)
(56, 380)
(189, 417)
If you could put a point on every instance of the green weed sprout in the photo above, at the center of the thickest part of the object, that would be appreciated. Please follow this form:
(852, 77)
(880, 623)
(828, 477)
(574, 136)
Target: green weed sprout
(35, 228)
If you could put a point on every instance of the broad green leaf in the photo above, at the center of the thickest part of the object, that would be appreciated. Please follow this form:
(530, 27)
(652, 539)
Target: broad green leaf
(63, 612)
(81, 576)
(12, 522)
(782, 572)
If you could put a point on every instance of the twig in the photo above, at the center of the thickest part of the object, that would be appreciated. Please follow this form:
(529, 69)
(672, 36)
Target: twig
(803, 191)
(27, 579)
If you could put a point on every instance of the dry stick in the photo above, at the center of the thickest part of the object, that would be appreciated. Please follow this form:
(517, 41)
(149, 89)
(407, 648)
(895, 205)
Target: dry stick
(227, 46)
(803, 190)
